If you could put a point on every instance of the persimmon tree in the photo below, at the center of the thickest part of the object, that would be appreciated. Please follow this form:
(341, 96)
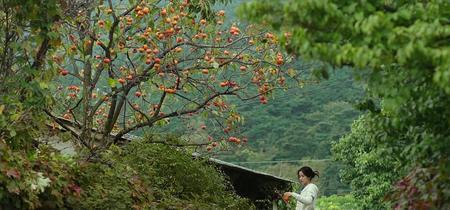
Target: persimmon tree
(129, 66)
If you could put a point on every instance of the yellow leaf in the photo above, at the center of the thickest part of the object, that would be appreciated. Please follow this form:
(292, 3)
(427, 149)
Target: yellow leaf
(291, 72)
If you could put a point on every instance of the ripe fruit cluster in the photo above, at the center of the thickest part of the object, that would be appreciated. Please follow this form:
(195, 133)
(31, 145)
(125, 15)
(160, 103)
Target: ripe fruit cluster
(228, 84)
(234, 139)
(279, 60)
(235, 30)
(63, 72)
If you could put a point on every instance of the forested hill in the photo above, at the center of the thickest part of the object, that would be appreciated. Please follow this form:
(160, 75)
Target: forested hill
(299, 123)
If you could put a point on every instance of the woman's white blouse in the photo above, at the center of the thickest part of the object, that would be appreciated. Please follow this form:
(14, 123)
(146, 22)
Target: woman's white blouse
(306, 200)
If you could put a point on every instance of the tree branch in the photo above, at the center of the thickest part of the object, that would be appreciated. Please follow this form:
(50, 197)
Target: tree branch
(156, 118)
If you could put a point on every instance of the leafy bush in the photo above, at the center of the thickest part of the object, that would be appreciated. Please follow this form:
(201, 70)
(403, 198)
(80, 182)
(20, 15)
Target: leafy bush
(40, 179)
(139, 176)
(336, 202)
(142, 175)
(371, 162)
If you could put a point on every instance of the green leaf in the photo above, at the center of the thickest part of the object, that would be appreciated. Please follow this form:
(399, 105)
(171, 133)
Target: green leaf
(112, 82)
(12, 132)
(291, 72)
(215, 65)
(53, 35)
(43, 85)
(214, 112)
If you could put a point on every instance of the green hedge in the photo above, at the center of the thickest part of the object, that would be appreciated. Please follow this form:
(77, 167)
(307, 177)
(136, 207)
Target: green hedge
(142, 175)
(137, 176)
(338, 202)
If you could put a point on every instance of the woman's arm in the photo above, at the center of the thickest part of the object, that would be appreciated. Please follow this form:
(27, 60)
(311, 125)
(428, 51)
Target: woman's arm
(307, 196)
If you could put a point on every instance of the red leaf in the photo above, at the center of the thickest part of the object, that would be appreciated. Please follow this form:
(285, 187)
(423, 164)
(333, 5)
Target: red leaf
(13, 173)
(76, 189)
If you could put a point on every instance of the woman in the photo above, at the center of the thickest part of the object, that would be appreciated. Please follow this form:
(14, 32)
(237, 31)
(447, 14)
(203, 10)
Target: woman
(306, 200)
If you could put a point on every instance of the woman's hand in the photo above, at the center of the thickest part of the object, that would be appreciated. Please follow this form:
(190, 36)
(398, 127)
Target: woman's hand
(286, 196)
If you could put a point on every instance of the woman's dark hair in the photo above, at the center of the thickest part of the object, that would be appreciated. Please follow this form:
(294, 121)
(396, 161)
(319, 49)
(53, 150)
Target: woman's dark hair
(307, 171)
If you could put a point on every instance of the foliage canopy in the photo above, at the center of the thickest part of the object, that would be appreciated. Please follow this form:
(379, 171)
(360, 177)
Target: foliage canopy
(401, 50)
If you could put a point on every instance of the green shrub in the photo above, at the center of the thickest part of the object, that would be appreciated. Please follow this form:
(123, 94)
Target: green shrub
(35, 179)
(137, 176)
(142, 176)
(337, 202)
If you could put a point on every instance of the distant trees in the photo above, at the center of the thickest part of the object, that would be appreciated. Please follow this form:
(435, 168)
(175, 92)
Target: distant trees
(307, 120)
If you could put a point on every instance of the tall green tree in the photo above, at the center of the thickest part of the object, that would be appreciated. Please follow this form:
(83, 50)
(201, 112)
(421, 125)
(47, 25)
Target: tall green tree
(26, 39)
(401, 50)
(372, 157)
(29, 177)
